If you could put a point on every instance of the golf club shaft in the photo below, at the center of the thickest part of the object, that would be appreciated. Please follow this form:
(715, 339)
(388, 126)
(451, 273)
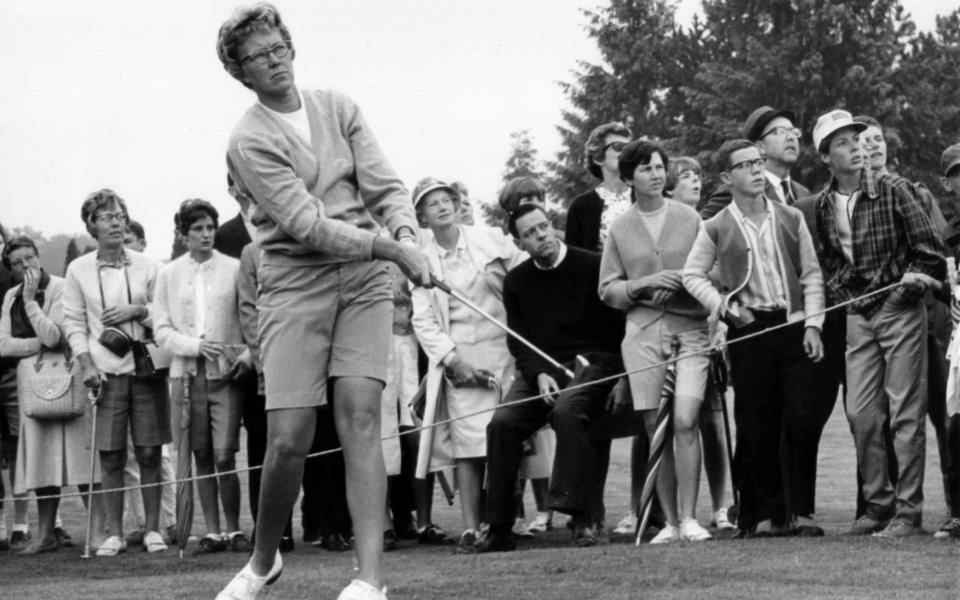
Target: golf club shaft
(94, 399)
(439, 284)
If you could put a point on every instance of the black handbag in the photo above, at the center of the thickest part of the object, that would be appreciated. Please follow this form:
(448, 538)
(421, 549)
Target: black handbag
(119, 342)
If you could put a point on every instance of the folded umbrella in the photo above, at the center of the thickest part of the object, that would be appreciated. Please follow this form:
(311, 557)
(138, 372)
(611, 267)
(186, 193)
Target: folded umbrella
(661, 435)
(184, 469)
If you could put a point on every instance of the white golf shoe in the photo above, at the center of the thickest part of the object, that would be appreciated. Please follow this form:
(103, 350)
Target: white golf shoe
(246, 584)
(361, 590)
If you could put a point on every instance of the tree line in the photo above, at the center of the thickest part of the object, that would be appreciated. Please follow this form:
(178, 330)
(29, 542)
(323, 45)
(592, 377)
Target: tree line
(691, 86)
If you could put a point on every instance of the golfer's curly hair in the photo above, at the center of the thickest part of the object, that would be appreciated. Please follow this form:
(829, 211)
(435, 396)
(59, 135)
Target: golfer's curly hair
(245, 21)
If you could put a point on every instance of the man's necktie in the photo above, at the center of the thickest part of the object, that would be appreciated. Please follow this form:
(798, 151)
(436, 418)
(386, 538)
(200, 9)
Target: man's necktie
(787, 192)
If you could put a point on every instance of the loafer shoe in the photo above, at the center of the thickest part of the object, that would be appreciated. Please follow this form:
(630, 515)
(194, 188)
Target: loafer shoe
(153, 542)
(209, 545)
(899, 528)
(245, 585)
(866, 525)
(63, 538)
(239, 542)
(949, 529)
(112, 546)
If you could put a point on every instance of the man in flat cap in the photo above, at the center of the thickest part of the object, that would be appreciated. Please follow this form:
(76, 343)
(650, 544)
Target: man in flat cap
(774, 132)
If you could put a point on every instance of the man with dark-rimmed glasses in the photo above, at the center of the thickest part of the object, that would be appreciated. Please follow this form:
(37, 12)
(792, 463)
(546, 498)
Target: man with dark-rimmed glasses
(776, 135)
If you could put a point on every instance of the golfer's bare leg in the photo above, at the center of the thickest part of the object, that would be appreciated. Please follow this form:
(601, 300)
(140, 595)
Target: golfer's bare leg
(148, 457)
(356, 409)
(289, 436)
(207, 492)
(229, 488)
(686, 433)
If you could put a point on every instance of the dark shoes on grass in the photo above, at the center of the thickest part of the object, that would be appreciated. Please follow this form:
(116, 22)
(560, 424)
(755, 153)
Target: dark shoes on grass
(432, 535)
(208, 545)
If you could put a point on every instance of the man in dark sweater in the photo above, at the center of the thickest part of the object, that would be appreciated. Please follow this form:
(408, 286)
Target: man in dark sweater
(551, 299)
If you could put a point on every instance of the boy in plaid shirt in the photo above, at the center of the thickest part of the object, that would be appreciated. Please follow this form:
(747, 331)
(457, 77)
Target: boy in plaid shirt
(875, 232)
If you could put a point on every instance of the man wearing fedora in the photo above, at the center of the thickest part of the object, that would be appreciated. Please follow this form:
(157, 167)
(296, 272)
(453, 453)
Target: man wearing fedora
(774, 132)
(875, 232)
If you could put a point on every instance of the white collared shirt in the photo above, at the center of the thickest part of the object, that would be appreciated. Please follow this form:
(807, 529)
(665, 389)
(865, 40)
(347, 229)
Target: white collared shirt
(765, 289)
(777, 183)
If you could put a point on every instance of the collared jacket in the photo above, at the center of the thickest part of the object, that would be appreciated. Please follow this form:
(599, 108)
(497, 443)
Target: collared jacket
(892, 235)
(721, 254)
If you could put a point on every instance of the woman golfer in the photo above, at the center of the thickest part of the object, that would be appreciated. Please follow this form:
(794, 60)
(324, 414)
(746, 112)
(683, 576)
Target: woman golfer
(317, 180)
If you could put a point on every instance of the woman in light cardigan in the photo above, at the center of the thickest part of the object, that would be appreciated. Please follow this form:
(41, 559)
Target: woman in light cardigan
(640, 273)
(51, 453)
(461, 345)
(197, 320)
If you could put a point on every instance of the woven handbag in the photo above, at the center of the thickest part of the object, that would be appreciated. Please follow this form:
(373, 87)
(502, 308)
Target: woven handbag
(50, 387)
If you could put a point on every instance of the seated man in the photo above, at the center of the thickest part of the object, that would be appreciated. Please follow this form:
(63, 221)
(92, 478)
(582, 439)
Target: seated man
(551, 299)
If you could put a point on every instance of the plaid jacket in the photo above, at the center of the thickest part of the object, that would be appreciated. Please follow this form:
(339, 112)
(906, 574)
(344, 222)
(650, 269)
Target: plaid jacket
(892, 235)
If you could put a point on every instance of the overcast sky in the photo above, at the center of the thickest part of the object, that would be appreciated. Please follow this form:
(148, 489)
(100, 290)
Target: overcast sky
(129, 94)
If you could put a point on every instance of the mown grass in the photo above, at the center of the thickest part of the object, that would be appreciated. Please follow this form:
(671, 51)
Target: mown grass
(836, 566)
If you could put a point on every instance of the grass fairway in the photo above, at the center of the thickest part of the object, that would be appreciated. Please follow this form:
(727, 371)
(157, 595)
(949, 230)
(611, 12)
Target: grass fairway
(833, 567)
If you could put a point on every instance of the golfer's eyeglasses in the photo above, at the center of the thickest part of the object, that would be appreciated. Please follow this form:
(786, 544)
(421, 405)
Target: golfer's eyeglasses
(756, 163)
(617, 146)
(263, 56)
(782, 132)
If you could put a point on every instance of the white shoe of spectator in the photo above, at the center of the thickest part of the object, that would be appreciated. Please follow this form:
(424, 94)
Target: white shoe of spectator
(668, 534)
(112, 547)
(246, 584)
(721, 520)
(520, 528)
(361, 590)
(627, 525)
(541, 524)
(692, 531)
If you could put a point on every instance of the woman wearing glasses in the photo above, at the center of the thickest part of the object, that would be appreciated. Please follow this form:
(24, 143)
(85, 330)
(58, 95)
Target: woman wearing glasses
(641, 273)
(51, 453)
(320, 188)
(590, 214)
(197, 320)
(105, 314)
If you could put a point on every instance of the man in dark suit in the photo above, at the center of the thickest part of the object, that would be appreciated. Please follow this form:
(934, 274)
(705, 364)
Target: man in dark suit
(774, 132)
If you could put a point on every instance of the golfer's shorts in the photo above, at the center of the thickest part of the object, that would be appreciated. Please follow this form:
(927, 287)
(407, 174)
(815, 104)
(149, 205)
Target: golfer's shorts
(215, 409)
(141, 402)
(650, 345)
(322, 321)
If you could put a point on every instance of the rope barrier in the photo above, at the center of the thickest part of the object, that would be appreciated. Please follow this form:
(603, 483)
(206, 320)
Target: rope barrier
(519, 401)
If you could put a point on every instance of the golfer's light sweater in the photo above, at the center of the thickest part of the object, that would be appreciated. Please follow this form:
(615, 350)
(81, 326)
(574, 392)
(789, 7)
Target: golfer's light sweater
(560, 311)
(320, 202)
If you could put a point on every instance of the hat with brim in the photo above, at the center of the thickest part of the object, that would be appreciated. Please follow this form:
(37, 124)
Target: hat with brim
(758, 119)
(832, 122)
(429, 184)
(950, 159)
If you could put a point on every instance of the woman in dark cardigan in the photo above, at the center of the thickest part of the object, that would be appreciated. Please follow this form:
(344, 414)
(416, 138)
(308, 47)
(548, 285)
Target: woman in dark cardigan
(590, 214)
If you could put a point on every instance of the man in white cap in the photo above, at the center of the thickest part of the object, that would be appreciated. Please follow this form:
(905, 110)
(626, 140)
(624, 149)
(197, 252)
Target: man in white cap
(875, 232)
